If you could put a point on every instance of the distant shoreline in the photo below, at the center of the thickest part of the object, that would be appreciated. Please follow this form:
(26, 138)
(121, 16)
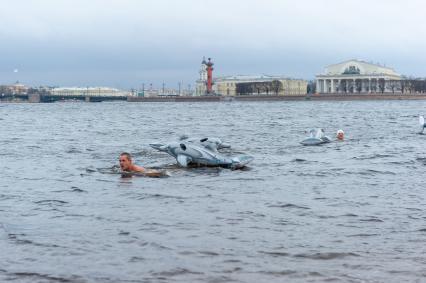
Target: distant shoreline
(242, 98)
(315, 97)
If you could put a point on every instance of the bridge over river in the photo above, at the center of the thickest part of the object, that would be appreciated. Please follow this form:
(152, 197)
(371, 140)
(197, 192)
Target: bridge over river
(49, 97)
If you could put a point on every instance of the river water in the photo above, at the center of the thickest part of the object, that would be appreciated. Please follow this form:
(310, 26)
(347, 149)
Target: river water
(352, 211)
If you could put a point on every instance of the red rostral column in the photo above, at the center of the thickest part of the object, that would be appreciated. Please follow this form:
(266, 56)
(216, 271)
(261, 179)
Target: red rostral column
(209, 76)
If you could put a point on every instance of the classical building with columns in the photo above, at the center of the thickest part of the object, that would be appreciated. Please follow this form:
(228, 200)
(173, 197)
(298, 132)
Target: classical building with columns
(356, 76)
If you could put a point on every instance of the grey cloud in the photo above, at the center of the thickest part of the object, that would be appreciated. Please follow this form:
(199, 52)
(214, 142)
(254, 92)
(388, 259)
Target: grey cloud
(125, 42)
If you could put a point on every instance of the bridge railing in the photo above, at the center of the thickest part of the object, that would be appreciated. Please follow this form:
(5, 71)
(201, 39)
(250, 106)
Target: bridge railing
(96, 92)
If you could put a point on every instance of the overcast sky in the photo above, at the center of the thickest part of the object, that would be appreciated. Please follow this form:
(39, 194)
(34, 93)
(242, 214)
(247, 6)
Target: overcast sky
(124, 43)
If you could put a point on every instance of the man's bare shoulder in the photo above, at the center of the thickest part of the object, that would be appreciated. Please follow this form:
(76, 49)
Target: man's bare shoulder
(136, 168)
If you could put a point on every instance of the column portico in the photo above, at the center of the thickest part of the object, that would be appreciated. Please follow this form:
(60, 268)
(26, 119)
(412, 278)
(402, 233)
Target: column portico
(355, 76)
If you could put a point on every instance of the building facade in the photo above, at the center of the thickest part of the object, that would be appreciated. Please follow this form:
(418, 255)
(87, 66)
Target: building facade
(259, 85)
(249, 85)
(356, 76)
(201, 83)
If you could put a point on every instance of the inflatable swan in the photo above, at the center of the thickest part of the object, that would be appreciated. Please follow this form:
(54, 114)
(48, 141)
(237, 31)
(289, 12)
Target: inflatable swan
(421, 124)
(316, 138)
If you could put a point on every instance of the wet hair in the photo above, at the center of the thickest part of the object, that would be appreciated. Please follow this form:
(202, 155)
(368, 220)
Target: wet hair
(128, 156)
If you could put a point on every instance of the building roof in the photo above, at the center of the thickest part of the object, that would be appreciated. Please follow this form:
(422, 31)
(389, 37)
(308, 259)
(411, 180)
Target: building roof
(250, 78)
(358, 67)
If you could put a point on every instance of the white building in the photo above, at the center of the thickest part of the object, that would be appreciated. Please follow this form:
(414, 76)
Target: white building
(356, 76)
(201, 83)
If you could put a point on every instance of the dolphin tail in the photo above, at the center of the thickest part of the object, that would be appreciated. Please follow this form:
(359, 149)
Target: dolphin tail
(183, 160)
(241, 161)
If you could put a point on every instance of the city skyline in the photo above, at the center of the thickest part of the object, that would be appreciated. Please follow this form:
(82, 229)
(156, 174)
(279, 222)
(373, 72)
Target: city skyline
(126, 43)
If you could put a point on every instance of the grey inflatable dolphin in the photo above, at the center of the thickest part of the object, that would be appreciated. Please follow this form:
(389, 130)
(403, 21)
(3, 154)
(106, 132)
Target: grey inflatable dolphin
(213, 144)
(187, 153)
(316, 138)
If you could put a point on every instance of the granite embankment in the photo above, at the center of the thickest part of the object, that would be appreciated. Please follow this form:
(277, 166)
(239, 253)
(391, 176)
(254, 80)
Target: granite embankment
(361, 96)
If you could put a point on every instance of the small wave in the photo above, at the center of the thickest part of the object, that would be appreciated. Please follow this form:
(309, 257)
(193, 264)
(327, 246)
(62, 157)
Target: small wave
(299, 160)
(363, 235)
(78, 190)
(326, 256)
(413, 208)
(158, 246)
(208, 253)
(350, 215)
(159, 196)
(278, 273)
(33, 147)
(51, 201)
(316, 174)
(373, 156)
(175, 272)
(17, 240)
(371, 172)
(73, 189)
(373, 219)
(73, 150)
(288, 205)
(275, 254)
(232, 261)
(33, 179)
(34, 276)
(136, 259)
(232, 270)
(401, 162)
(90, 170)
(422, 160)
(326, 216)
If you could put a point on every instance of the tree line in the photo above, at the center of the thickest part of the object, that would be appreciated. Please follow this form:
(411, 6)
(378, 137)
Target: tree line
(269, 88)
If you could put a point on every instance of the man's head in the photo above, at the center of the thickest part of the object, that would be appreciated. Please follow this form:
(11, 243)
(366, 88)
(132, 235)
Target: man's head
(125, 161)
(340, 135)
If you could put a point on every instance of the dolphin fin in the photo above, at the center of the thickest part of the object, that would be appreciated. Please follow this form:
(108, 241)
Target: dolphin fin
(159, 146)
(183, 160)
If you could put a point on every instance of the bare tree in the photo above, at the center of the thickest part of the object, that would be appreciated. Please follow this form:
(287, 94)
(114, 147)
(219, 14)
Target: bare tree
(382, 85)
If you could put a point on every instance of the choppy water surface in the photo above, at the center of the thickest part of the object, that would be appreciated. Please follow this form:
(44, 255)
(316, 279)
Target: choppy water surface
(352, 211)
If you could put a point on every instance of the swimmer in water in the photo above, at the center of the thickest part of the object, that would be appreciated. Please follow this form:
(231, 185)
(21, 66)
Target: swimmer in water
(127, 166)
(340, 135)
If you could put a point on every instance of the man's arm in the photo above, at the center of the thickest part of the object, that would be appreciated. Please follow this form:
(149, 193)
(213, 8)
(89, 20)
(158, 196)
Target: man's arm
(147, 172)
(153, 173)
